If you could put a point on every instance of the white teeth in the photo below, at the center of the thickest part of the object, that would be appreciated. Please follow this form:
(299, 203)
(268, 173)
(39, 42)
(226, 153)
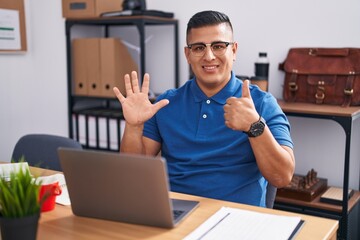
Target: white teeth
(209, 67)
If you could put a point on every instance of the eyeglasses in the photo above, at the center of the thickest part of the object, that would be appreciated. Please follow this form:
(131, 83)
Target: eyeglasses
(218, 48)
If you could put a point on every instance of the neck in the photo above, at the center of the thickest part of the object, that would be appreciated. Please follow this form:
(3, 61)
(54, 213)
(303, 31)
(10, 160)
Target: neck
(211, 89)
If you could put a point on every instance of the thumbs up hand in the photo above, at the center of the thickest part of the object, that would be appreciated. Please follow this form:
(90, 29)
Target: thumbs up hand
(240, 113)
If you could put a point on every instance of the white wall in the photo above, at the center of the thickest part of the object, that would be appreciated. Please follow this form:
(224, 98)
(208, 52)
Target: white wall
(33, 85)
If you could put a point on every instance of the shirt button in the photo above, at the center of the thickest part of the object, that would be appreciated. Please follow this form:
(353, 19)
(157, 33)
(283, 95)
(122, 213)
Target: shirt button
(208, 101)
(204, 116)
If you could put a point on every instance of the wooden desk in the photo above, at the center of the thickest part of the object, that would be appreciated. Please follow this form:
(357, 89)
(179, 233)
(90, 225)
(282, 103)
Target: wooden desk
(62, 224)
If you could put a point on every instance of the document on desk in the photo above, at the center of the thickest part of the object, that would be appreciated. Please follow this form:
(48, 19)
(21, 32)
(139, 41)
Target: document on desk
(232, 223)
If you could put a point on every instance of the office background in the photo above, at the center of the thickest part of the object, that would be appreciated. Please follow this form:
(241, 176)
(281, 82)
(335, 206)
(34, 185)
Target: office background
(33, 92)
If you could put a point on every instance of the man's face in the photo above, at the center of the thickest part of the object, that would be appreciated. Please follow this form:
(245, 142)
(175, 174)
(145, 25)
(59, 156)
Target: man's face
(212, 71)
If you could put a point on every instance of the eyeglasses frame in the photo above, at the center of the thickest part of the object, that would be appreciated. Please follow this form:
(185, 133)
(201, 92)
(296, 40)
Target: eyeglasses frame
(210, 44)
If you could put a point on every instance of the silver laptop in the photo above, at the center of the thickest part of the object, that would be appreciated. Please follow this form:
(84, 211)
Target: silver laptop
(121, 187)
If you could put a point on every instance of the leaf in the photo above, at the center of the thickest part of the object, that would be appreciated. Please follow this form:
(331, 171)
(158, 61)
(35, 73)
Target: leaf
(20, 195)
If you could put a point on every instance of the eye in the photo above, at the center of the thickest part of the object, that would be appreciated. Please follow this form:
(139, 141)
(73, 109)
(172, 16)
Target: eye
(218, 46)
(197, 48)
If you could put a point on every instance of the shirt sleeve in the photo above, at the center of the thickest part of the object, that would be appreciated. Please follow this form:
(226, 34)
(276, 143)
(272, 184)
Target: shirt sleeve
(276, 120)
(151, 129)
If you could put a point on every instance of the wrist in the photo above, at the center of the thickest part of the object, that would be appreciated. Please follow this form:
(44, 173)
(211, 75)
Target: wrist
(135, 127)
(257, 128)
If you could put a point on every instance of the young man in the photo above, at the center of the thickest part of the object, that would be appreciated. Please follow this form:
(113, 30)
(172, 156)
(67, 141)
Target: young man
(222, 138)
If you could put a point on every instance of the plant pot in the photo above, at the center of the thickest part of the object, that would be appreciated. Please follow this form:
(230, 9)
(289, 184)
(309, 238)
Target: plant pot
(19, 228)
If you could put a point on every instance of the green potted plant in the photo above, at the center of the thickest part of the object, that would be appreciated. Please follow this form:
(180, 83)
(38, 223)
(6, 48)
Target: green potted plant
(19, 205)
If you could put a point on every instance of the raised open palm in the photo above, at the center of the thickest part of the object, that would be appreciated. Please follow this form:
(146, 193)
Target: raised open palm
(136, 106)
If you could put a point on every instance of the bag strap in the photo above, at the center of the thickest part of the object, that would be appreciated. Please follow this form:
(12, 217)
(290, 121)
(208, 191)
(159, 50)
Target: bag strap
(329, 52)
(348, 91)
(292, 85)
(320, 92)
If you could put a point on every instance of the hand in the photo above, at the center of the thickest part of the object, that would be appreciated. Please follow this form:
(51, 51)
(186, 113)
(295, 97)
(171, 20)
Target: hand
(240, 113)
(136, 106)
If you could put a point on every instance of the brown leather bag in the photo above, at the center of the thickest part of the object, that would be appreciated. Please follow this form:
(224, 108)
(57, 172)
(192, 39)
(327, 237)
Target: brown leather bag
(322, 76)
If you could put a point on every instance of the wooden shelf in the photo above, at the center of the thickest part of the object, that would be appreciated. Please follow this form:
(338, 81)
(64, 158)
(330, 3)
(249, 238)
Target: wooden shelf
(320, 109)
(320, 205)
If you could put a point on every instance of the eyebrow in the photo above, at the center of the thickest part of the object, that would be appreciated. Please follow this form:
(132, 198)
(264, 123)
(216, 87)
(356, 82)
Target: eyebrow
(202, 43)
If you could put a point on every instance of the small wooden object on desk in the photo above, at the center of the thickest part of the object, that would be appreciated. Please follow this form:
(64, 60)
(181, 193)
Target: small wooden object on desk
(304, 188)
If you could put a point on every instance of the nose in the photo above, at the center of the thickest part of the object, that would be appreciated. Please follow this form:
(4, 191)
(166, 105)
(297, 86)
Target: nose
(209, 55)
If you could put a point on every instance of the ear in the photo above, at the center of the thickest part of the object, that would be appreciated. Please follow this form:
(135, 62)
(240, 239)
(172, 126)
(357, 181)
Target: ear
(234, 50)
(187, 54)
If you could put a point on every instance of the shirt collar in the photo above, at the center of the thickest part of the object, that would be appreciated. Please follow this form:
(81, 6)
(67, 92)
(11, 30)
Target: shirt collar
(221, 97)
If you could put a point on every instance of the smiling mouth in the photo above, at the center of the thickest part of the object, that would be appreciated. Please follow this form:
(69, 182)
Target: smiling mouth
(210, 67)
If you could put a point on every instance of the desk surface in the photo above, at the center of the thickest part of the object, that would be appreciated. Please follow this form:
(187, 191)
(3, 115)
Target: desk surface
(62, 224)
(320, 109)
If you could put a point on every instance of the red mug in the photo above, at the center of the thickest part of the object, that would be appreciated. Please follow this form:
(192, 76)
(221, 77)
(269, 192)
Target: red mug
(49, 193)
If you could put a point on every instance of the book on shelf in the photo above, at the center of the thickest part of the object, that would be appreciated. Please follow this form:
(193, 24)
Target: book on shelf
(334, 195)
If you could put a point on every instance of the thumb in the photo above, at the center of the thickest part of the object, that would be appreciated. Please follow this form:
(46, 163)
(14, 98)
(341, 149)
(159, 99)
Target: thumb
(245, 89)
(162, 103)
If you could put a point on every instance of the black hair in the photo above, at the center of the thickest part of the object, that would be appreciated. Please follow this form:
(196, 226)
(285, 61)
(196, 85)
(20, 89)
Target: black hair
(207, 18)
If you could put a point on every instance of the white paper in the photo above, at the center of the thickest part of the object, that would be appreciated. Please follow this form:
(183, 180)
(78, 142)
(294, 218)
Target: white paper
(10, 30)
(63, 198)
(232, 223)
(7, 168)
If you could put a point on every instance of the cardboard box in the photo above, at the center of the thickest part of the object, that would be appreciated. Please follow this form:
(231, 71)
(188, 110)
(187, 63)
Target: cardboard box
(99, 64)
(89, 8)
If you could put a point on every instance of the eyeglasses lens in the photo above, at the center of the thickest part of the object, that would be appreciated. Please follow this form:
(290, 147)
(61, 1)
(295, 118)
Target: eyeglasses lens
(218, 48)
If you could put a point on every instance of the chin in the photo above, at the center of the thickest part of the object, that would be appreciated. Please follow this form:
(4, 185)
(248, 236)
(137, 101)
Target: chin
(211, 76)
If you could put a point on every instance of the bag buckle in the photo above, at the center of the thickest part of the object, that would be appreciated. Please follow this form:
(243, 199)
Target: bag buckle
(293, 86)
(320, 96)
(348, 92)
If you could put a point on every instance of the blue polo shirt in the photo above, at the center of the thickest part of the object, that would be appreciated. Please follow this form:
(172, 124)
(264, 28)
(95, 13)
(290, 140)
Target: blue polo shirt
(206, 158)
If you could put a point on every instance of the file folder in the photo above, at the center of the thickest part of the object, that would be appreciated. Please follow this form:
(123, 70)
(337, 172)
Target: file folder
(80, 70)
(93, 66)
(99, 65)
(115, 62)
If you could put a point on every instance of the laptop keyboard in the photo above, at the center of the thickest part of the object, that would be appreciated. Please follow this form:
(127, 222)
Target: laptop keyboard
(177, 213)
